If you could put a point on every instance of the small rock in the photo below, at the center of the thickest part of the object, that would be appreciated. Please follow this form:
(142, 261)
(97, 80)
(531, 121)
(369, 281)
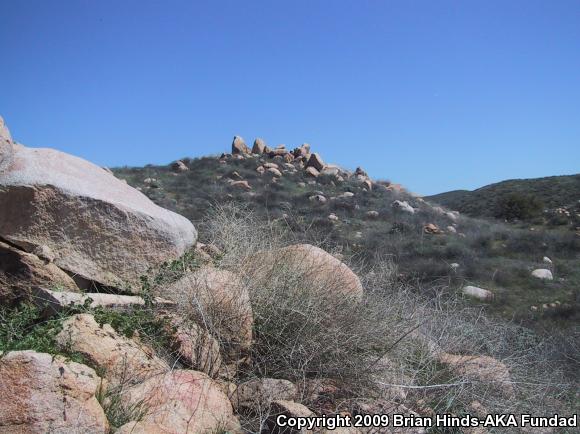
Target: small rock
(211, 250)
(360, 171)
(542, 273)
(432, 229)
(333, 217)
(452, 215)
(403, 206)
(302, 151)
(278, 152)
(372, 214)
(346, 195)
(260, 170)
(261, 392)
(274, 172)
(478, 293)
(312, 172)
(317, 198)
(179, 166)
(242, 185)
(547, 260)
(451, 229)
(330, 171)
(288, 409)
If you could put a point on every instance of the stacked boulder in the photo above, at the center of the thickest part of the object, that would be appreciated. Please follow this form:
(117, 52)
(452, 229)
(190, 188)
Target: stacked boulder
(239, 146)
(259, 147)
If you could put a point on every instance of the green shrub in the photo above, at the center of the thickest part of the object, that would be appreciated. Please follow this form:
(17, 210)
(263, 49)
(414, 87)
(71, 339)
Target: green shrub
(24, 328)
(142, 322)
(517, 206)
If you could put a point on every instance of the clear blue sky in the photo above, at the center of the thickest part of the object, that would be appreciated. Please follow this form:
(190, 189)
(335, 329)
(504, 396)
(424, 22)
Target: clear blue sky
(436, 95)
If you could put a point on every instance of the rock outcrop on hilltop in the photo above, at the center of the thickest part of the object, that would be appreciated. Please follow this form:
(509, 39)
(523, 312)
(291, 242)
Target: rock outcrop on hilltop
(97, 227)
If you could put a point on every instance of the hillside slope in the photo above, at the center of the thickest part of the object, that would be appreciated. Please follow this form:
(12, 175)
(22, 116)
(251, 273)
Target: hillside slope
(368, 221)
(553, 192)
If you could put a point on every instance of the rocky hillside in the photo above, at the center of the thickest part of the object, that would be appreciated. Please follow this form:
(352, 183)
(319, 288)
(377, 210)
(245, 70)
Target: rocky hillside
(558, 199)
(367, 220)
(316, 293)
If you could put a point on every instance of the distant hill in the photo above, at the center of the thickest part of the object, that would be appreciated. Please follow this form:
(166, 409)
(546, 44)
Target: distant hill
(553, 192)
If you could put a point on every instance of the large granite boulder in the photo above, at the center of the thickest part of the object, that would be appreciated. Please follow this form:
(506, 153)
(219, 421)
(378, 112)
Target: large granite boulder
(317, 269)
(97, 227)
(46, 394)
